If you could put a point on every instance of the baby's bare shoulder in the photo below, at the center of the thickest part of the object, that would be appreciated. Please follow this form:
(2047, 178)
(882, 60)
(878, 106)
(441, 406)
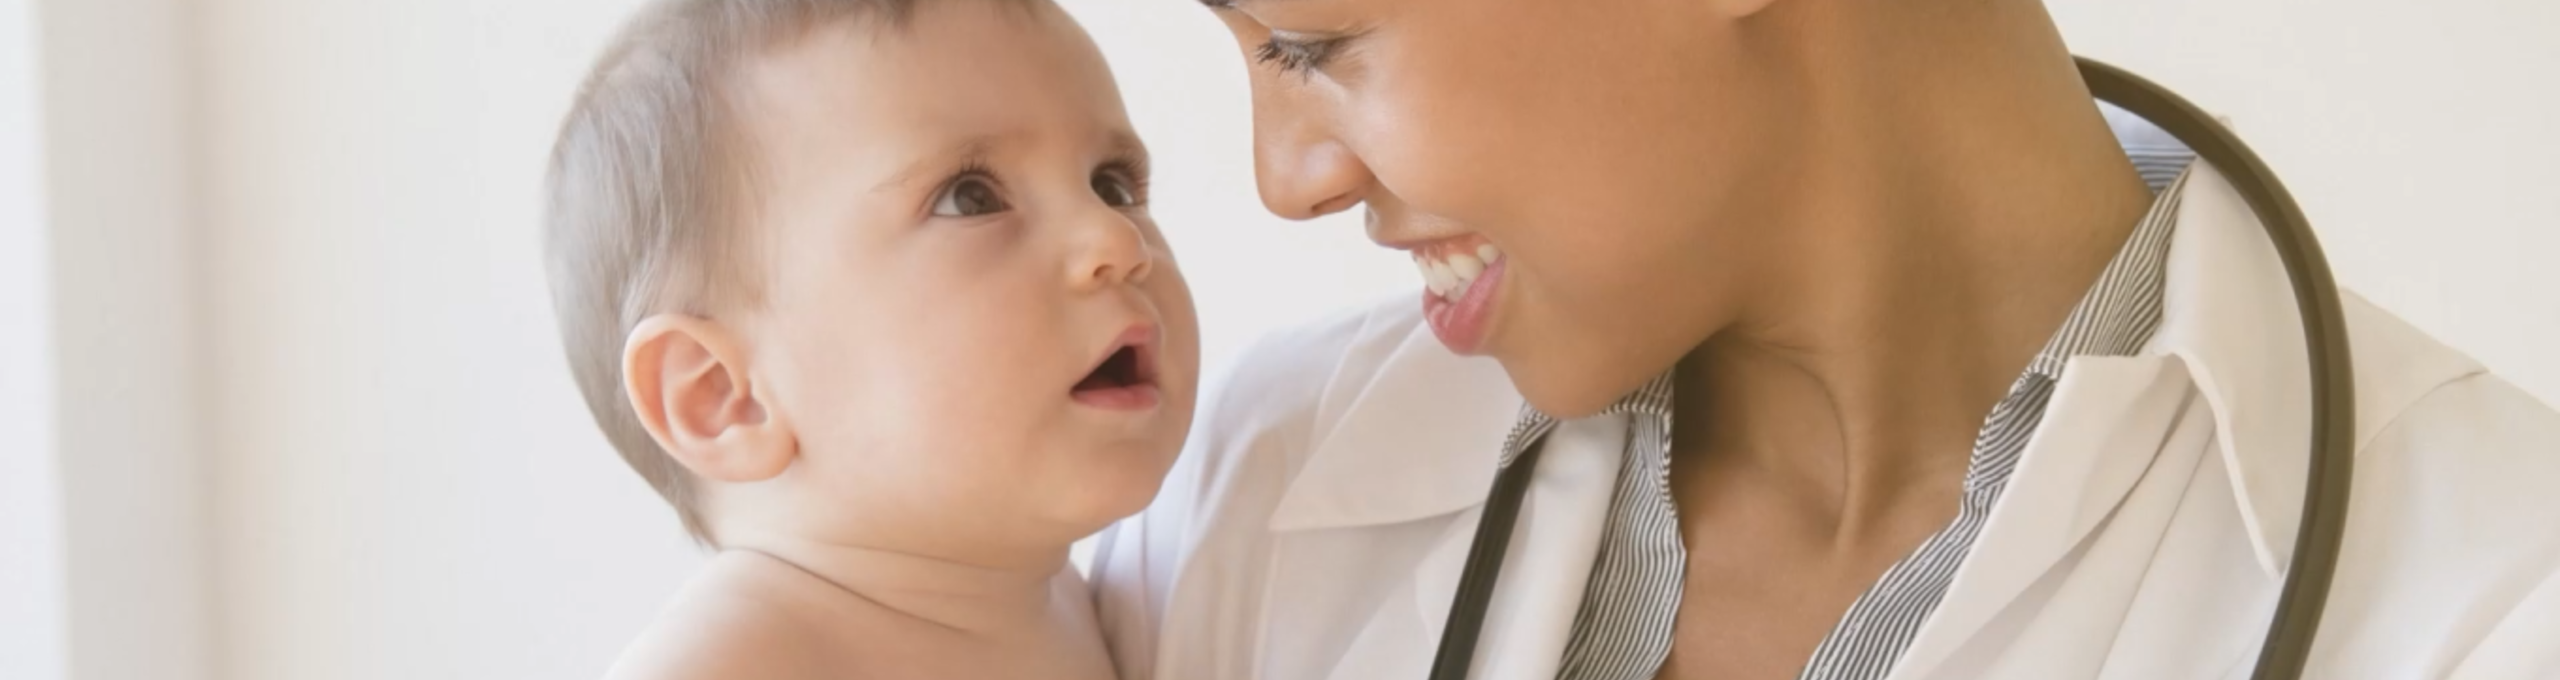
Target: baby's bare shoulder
(738, 621)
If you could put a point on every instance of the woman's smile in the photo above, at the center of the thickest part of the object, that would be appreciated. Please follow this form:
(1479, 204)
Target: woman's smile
(1461, 276)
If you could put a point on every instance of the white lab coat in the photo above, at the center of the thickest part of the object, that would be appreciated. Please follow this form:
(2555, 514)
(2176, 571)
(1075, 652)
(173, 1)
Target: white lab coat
(1317, 522)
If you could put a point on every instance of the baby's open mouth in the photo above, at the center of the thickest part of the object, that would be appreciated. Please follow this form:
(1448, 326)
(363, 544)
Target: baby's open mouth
(1126, 379)
(1121, 370)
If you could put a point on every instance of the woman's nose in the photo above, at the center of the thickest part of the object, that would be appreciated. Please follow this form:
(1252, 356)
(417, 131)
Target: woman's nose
(1108, 250)
(1302, 172)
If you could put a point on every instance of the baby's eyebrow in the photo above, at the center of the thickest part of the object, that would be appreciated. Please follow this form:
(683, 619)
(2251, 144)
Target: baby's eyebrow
(974, 149)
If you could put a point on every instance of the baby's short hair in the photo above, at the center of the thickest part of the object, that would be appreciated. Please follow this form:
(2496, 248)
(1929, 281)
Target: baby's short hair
(648, 188)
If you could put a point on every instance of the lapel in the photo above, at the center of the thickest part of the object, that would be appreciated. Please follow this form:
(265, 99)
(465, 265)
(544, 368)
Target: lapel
(1420, 438)
(1414, 450)
(2231, 317)
(2100, 434)
(1545, 572)
(2228, 335)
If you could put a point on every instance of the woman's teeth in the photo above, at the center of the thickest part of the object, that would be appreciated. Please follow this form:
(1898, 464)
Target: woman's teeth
(1449, 274)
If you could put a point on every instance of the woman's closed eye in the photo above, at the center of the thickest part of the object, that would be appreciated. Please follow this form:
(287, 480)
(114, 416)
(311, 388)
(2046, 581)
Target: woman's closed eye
(1292, 55)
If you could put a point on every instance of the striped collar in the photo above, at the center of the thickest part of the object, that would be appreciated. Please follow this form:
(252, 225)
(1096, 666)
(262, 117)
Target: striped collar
(1653, 399)
(2121, 311)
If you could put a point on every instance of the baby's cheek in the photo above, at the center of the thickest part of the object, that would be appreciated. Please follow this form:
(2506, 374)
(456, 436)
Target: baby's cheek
(976, 361)
(1182, 341)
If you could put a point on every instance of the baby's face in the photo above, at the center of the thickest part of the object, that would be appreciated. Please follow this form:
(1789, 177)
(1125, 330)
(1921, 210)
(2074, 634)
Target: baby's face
(972, 326)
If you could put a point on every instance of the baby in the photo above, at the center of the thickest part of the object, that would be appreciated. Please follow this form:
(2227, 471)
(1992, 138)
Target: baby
(868, 291)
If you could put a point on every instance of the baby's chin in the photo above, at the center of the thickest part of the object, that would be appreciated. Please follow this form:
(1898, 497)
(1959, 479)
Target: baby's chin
(1101, 492)
(1025, 484)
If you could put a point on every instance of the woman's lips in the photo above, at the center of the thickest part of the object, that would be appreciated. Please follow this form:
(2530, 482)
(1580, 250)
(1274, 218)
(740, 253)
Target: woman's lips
(1460, 281)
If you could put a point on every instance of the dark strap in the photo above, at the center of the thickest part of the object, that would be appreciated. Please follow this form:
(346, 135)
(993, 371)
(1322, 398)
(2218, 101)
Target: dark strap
(1484, 566)
(2287, 650)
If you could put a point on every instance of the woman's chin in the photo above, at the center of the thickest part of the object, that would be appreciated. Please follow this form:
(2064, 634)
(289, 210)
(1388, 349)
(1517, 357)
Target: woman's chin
(1567, 389)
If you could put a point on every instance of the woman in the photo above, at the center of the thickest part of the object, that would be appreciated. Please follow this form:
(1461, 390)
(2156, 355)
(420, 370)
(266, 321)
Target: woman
(1844, 340)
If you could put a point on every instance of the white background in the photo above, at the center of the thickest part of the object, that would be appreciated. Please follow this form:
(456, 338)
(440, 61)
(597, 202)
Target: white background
(281, 398)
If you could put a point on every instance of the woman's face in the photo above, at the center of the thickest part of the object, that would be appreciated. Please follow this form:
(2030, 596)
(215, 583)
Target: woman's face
(1580, 172)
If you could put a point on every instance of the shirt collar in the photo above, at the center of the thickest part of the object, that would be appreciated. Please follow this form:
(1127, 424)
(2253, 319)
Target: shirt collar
(2229, 315)
(1653, 399)
(1417, 436)
(2121, 310)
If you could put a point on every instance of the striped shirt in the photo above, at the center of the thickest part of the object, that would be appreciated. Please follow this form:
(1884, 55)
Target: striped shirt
(1622, 630)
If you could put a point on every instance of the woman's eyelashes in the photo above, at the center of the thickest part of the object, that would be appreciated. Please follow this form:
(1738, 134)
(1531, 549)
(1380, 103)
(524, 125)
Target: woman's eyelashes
(1291, 55)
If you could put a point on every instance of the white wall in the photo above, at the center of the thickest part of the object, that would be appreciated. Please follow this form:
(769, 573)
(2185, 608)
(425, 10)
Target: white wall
(399, 480)
(121, 169)
(105, 506)
(33, 636)
(406, 483)
(2419, 137)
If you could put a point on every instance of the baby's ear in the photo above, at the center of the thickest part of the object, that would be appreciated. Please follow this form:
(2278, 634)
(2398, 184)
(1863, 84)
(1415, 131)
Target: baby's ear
(688, 381)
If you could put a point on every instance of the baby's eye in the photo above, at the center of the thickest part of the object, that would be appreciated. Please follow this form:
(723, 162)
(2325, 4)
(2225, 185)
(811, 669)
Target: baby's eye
(970, 196)
(1116, 191)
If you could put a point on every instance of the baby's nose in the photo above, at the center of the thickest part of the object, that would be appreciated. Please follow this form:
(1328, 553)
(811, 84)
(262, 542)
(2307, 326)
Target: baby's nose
(1109, 251)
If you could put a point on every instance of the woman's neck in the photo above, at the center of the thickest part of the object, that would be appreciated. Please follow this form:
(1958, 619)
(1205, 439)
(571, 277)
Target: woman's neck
(1958, 205)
